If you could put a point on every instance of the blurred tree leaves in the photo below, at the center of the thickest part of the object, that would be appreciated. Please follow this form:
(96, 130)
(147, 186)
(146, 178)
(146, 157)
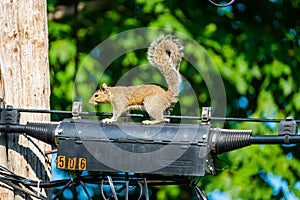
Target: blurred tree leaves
(254, 44)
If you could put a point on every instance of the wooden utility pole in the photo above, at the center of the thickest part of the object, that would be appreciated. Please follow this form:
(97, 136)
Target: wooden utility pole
(24, 83)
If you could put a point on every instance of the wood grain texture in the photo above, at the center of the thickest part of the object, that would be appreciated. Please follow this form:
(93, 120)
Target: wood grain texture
(24, 83)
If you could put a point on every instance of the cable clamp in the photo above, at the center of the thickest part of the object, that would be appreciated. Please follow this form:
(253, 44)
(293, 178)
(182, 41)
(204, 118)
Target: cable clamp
(9, 116)
(206, 115)
(76, 109)
(288, 127)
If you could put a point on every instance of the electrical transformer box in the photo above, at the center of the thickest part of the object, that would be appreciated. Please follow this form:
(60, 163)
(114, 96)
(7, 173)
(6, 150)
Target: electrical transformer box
(174, 149)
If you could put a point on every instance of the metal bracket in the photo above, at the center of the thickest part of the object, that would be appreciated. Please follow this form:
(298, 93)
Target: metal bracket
(76, 109)
(288, 127)
(206, 115)
(10, 116)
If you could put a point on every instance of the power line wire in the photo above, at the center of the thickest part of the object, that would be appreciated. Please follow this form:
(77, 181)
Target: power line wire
(186, 117)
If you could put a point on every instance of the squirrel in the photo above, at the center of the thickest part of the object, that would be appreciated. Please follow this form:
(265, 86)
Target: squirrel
(164, 53)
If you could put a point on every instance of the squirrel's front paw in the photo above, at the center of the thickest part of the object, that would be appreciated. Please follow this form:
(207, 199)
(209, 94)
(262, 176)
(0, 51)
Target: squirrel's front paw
(107, 120)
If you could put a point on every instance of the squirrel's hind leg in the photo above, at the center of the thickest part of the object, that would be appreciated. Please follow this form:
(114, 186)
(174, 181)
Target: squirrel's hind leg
(155, 106)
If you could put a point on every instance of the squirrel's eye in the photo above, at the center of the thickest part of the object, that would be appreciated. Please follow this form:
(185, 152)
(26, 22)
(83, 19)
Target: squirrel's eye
(96, 95)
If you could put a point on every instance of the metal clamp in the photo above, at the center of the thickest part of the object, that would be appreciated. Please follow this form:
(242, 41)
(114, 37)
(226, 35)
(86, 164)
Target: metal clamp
(10, 116)
(288, 127)
(76, 109)
(206, 115)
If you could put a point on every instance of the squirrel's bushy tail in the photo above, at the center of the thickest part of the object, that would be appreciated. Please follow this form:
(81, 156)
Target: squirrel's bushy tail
(165, 53)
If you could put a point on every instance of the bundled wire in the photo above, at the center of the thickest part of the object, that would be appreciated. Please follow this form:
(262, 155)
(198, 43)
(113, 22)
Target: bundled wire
(142, 181)
(19, 183)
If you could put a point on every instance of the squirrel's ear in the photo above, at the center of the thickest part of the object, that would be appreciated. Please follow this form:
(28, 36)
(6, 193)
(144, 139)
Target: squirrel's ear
(103, 86)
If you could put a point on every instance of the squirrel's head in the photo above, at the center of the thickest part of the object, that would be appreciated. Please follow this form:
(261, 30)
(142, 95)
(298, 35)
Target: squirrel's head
(102, 95)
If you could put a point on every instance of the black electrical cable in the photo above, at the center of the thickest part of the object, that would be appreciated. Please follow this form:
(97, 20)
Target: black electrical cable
(200, 193)
(224, 140)
(62, 190)
(85, 189)
(272, 139)
(41, 131)
(227, 119)
(19, 188)
(59, 112)
(101, 114)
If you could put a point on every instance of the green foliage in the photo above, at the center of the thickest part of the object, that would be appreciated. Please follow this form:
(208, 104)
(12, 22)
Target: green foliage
(169, 192)
(255, 47)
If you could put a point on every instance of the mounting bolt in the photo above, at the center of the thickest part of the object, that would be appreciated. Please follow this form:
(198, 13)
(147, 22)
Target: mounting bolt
(59, 131)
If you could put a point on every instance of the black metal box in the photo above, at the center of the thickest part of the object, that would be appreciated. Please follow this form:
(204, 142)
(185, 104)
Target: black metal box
(174, 149)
